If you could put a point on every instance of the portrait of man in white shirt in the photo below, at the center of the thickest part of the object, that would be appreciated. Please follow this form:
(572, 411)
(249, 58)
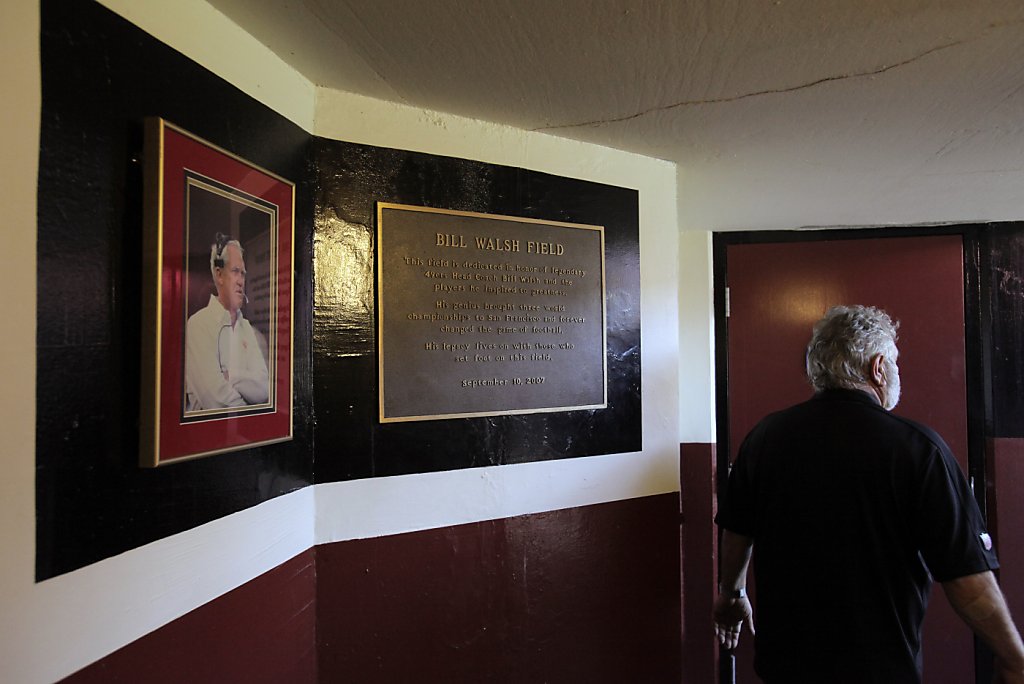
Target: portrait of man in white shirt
(225, 366)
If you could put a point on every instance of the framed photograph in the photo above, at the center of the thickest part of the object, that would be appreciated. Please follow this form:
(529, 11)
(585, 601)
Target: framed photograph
(217, 301)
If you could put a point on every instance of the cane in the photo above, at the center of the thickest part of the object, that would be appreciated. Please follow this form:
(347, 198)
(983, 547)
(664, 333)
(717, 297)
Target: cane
(726, 666)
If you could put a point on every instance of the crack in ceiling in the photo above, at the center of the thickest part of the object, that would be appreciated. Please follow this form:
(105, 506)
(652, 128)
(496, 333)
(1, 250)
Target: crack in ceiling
(758, 93)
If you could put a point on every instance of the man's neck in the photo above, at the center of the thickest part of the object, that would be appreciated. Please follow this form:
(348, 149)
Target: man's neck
(863, 389)
(873, 392)
(232, 312)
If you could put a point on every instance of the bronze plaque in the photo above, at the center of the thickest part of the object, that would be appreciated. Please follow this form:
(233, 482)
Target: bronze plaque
(483, 314)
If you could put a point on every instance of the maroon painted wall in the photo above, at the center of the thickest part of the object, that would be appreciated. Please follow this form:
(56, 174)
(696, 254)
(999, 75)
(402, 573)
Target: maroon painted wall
(586, 594)
(1006, 510)
(263, 631)
(699, 560)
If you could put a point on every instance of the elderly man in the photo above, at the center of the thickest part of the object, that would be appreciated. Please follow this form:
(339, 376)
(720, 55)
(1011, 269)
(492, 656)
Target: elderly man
(850, 511)
(224, 366)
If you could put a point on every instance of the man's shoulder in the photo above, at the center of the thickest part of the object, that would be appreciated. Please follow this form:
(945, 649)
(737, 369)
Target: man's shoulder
(851, 404)
(912, 427)
(795, 413)
(203, 322)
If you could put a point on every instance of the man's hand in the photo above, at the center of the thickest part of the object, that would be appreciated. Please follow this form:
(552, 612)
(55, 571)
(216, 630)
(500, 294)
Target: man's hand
(979, 602)
(730, 613)
(730, 616)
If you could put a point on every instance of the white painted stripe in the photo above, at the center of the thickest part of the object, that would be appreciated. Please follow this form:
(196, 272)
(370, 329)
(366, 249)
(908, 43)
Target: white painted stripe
(393, 505)
(54, 628)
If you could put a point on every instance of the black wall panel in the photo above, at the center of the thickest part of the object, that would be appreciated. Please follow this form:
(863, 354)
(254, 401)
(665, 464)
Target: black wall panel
(350, 442)
(1002, 260)
(101, 77)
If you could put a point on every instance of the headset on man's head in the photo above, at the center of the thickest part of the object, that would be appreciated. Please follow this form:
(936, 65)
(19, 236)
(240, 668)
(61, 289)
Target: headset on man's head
(221, 241)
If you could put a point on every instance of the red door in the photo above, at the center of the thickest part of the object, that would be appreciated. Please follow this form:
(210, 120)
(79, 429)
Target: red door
(776, 293)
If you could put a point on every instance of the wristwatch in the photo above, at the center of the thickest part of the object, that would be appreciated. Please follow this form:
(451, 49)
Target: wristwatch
(735, 593)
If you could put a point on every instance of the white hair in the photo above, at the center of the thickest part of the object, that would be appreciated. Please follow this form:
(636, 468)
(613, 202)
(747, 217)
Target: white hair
(844, 342)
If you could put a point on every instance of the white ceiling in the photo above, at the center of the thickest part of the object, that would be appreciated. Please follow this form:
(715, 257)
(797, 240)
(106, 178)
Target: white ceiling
(783, 112)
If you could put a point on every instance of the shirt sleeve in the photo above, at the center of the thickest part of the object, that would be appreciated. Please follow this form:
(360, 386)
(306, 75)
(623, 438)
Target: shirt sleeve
(736, 508)
(249, 374)
(203, 376)
(948, 523)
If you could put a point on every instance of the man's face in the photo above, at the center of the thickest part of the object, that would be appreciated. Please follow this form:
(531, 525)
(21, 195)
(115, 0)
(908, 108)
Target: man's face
(231, 279)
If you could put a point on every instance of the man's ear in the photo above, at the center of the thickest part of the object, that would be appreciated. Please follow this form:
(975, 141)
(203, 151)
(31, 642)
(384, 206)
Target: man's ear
(877, 369)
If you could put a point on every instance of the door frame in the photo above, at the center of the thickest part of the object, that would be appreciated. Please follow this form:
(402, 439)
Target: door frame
(976, 342)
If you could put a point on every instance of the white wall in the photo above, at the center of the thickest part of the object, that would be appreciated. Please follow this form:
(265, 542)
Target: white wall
(696, 337)
(53, 628)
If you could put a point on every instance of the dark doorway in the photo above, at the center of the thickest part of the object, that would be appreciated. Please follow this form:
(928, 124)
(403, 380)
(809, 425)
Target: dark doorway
(771, 287)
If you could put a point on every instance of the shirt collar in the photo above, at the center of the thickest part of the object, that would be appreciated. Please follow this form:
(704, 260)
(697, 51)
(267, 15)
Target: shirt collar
(225, 317)
(842, 394)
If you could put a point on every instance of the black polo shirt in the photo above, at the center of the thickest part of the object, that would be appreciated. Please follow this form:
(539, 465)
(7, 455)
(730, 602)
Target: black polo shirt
(849, 507)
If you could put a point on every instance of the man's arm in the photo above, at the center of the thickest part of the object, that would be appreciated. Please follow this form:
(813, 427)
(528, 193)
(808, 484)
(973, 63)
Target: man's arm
(980, 603)
(203, 376)
(731, 612)
(250, 377)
